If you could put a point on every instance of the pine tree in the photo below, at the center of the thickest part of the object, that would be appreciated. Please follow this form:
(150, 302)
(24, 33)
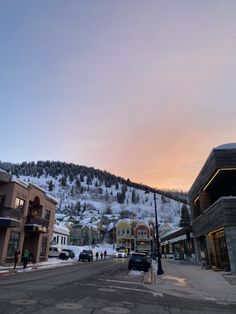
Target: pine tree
(185, 216)
(133, 197)
(50, 186)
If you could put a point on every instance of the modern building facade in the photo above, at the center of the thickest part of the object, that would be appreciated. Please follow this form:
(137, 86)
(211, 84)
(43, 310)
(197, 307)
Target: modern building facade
(26, 219)
(213, 207)
(178, 244)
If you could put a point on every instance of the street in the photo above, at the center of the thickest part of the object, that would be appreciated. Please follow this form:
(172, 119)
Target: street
(97, 287)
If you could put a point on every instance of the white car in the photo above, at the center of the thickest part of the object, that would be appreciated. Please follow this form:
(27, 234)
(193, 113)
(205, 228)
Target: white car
(55, 251)
(121, 253)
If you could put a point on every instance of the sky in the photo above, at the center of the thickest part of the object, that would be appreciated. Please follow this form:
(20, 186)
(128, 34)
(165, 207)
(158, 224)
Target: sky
(142, 89)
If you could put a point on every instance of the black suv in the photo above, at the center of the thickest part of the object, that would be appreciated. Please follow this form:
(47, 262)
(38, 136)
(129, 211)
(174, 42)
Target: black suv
(149, 258)
(138, 261)
(86, 255)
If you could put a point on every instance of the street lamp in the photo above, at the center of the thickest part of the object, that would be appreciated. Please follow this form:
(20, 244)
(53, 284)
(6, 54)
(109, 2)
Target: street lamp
(160, 271)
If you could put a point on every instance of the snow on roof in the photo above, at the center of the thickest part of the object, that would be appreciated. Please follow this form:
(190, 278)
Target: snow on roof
(16, 180)
(61, 228)
(51, 198)
(3, 171)
(226, 146)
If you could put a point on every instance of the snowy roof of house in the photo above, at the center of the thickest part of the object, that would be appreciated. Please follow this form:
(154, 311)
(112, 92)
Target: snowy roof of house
(61, 228)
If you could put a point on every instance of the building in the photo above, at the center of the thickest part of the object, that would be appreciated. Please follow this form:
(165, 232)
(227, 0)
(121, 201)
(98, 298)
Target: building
(143, 234)
(61, 234)
(213, 207)
(124, 234)
(178, 244)
(85, 234)
(26, 219)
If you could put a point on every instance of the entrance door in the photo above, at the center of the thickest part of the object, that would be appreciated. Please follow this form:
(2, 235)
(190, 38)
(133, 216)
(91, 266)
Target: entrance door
(221, 250)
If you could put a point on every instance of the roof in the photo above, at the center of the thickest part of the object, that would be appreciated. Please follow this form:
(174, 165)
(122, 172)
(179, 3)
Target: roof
(226, 146)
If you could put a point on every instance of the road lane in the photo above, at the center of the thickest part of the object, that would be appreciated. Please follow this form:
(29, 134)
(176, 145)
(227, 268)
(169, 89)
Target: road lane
(98, 287)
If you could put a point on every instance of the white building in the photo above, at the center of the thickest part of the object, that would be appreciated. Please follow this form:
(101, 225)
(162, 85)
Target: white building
(60, 234)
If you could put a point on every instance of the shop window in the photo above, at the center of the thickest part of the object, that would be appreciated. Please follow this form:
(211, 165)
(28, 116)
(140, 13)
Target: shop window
(13, 243)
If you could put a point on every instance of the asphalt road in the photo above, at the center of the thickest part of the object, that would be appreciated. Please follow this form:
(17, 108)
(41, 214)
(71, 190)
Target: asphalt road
(97, 288)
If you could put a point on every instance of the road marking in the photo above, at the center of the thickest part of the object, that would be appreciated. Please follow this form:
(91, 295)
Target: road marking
(210, 299)
(107, 290)
(128, 282)
(154, 293)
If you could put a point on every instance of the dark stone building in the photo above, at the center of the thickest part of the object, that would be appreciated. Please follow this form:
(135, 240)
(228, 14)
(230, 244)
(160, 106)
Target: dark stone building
(213, 206)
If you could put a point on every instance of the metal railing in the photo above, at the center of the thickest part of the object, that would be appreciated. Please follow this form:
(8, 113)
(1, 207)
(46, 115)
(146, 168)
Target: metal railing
(36, 220)
(12, 213)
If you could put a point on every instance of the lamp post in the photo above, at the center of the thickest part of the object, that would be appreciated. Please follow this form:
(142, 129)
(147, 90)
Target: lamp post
(160, 271)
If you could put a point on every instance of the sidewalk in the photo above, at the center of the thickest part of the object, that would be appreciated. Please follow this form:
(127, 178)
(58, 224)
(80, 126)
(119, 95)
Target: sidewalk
(192, 282)
(51, 263)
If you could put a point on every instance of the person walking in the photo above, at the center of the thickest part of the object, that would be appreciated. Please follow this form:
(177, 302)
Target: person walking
(97, 256)
(101, 255)
(25, 258)
(16, 255)
(105, 254)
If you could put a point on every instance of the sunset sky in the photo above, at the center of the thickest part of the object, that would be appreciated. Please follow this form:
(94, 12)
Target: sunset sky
(142, 89)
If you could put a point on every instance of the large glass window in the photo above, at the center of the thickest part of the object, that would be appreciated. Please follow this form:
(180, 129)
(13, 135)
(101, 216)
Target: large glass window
(13, 243)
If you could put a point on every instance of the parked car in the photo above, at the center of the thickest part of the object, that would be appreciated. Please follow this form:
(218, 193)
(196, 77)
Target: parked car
(55, 251)
(149, 258)
(86, 255)
(121, 253)
(71, 253)
(138, 261)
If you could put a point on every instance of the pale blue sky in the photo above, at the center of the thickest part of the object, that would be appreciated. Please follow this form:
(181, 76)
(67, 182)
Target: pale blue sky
(124, 86)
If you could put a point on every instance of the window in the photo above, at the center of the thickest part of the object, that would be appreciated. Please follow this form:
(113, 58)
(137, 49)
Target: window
(127, 231)
(19, 204)
(13, 243)
(47, 214)
(57, 239)
(2, 200)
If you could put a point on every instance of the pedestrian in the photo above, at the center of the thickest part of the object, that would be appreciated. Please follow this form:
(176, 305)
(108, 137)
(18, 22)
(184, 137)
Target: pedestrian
(16, 255)
(101, 255)
(97, 256)
(25, 258)
(105, 254)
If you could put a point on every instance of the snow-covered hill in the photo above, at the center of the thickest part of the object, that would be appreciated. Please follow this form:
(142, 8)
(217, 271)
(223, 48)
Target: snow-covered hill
(83, 198)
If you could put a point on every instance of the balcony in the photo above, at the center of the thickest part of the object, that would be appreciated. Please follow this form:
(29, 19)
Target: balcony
(36, 224)
(9, 217)
(144, 237)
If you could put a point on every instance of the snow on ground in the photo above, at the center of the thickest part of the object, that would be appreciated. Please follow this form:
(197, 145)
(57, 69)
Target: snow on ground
(56, 262)
(100, 248)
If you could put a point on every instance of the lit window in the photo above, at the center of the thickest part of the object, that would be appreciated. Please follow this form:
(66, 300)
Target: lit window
(19, 203)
